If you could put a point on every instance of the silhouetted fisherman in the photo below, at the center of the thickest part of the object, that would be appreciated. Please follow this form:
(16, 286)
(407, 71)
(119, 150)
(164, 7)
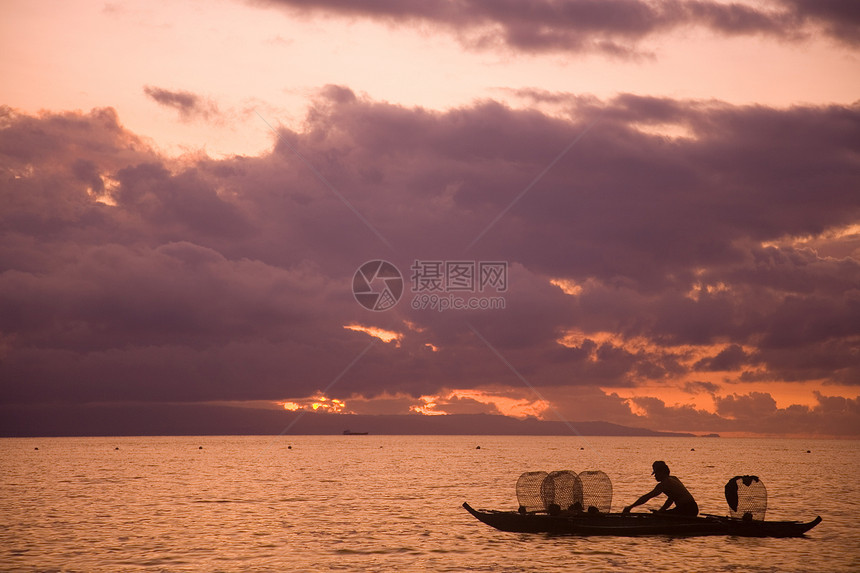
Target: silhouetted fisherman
(675, 493)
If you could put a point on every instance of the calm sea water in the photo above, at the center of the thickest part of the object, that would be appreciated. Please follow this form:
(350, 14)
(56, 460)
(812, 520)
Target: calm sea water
(389, 503)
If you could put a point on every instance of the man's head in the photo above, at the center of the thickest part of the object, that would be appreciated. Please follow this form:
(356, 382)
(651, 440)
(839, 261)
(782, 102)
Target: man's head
(661, 470)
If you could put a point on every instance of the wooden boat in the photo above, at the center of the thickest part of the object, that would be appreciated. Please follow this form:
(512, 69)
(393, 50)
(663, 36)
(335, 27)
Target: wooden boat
(633, 524)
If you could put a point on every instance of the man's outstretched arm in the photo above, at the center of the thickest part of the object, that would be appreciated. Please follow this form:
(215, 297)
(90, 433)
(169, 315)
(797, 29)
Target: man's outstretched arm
(651, 494)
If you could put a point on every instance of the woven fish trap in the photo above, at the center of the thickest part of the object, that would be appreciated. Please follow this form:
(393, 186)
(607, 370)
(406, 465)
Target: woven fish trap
(562, 490)
(529, 494)
(747, 497)
(596, 491)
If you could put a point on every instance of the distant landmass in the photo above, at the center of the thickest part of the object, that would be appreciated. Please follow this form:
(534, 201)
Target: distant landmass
(201, 419)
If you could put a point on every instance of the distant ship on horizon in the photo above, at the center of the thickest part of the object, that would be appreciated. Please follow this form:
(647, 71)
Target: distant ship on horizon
(351, 433)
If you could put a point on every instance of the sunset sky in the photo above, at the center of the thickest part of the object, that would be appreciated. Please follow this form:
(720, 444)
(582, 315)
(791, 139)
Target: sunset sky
(187, 190)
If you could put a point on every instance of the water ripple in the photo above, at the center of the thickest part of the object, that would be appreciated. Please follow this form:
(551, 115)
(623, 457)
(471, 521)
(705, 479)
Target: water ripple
(392, 504)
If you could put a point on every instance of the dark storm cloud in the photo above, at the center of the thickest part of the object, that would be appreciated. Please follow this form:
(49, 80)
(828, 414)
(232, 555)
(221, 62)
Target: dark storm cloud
(126, 275)
(189, 105)
(613, 27)
(730, 358)
(752, 405)
(697, 387)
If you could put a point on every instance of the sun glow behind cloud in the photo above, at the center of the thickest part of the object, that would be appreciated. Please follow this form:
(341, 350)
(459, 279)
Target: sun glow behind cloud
(380, 333)
(689, 354)
(427, 406)
(318, 403)
(567, 286)
(517, 403)
(483, 401)
(699, 289)
(835, 243)
(105, 196)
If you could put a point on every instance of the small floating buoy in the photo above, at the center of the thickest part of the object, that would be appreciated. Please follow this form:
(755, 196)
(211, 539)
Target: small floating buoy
(116, 448)
(200, 448)
(35, 448)
(692, 449)
(808, 451)
(581, 448)
(289, 447)
(477, 447)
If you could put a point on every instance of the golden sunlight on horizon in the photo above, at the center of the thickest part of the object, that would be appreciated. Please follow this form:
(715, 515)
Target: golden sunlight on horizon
(317, 403)
(442, 403)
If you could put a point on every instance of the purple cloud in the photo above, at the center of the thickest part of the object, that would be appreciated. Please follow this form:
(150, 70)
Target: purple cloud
(128, 276)
(189, 105)
(612, 27)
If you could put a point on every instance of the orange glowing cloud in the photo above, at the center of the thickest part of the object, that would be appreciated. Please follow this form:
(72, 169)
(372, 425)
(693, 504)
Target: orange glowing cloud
(427, 407)
(473, 401)
(380, 333)
(687, 354)
(318, 403)
(567, 286)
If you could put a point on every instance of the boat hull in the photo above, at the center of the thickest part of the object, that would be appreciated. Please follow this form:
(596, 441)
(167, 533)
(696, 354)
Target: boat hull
(636, 524)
